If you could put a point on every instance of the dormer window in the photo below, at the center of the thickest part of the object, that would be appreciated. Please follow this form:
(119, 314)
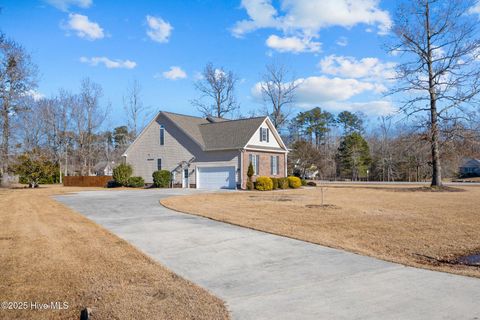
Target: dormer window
(162, 135)
(264, 134)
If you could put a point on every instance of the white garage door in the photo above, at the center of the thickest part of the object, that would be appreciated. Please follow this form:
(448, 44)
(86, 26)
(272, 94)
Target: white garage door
(216, 177)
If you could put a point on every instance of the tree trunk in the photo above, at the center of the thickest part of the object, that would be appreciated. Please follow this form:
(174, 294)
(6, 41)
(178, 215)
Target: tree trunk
(5, 139)
(436, 167)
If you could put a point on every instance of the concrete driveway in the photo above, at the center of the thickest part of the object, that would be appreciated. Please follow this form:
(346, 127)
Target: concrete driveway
(263, 276)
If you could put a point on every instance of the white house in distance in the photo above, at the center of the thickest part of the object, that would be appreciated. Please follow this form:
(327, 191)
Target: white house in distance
(210, 153)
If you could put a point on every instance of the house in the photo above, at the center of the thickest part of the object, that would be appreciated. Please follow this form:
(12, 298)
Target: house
(470, 168)
(209, 153)
(104, 168)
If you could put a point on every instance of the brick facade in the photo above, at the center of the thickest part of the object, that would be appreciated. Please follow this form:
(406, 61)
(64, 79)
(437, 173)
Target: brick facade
(264, 168)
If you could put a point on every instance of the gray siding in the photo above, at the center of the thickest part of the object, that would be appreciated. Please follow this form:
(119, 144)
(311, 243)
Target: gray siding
(178, 147)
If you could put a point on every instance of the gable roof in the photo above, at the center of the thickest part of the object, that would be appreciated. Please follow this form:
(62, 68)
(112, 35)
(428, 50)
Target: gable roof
(470, 163)
(221, 134)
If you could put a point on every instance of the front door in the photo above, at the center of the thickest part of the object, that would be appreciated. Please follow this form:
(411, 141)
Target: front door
(185, 179)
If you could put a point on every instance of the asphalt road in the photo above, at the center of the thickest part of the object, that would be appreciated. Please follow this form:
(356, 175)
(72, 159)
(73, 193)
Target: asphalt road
(263, 276)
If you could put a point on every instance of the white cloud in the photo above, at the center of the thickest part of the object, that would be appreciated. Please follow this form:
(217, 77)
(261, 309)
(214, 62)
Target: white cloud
(475, 9)
(65, 4)
(350, 67)
(83, 27)
(292, 44)
(342, 42)
(319, 89)
(35, 95)
(159, 30)
(110, 64)
(334, 93)
(174, 73)
(375, 107)
(308, 17)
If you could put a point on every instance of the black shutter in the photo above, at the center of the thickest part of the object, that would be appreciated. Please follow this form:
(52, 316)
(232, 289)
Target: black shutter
(159, 164)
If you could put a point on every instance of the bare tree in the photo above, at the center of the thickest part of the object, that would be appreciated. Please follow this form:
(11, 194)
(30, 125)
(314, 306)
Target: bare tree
(278, 93)
(135, 110)
(17, 79)
(218, 86)
(439, 75)
(88, 116)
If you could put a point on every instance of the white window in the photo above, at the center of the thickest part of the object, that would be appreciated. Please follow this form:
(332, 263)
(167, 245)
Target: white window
(264, 134)
(255, 161)
(274, 165)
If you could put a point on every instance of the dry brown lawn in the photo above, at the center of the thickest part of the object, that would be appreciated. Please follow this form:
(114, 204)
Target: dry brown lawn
(399, 224)
(50, 253)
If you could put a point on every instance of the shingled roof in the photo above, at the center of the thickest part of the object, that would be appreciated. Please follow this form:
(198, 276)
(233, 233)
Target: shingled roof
(217, 133)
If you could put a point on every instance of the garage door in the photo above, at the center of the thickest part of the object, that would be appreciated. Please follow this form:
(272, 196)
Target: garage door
(216, 177)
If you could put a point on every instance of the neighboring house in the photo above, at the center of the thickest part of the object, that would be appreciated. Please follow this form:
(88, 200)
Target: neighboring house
(104, 168)
(470, 168)
(210, 153)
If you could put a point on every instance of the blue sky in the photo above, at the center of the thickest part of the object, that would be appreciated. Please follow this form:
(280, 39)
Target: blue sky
(332, 47)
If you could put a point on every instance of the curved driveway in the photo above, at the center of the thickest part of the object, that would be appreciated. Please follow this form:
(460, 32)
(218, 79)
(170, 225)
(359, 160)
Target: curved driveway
(263, 276)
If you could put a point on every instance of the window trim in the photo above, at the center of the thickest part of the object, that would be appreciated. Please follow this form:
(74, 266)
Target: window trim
(274, 165)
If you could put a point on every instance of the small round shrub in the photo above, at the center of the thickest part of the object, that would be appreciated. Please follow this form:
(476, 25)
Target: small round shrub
(275, 183)
(113, 184)
(250, 185)
(294, 182)
(311, 184)
(264, 184)
(122, 173)
(161, 178)
(282, 183)
(304, 182)
(136, 182)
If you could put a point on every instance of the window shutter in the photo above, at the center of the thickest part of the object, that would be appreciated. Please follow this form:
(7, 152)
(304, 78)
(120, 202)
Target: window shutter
(271, 165)
(278, 165)
(261, 134)
(159, 164)
(268, 135)
(257, 164)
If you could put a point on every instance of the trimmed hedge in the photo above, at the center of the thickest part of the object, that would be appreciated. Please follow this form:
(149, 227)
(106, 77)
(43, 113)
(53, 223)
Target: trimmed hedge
(136, 182)
(121, 174)
(161, 178)
(304, 182)
(264, 184)
(282, 183)
(275, 183)
(294, 182)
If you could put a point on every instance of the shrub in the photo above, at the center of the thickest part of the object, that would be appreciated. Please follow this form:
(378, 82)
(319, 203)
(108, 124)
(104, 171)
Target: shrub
(304, 182)
(113, 184)
(282, 183)
(136, 182)
(263, 184)
(161, 178)
(34, 168)
(311, 184)
(275, 183)
(250, 172)
(122, 173)
(294, 182)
